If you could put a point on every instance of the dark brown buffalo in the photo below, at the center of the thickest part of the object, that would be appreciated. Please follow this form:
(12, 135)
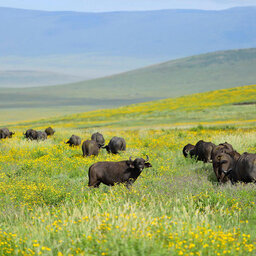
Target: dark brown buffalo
(222, 148)
(244, 169)
(29, 133)
(116, 145)
(74, 141)
(221, 164)
(110, 173)
(49, 131)
(98, 137)
(35, 135)
(203, 151)
(217, 152)
(189, 150)
(90, 147)
(5, 133)
(41, 135)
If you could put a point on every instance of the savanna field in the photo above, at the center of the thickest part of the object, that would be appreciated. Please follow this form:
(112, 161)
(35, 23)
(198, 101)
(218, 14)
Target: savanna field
(174, 208)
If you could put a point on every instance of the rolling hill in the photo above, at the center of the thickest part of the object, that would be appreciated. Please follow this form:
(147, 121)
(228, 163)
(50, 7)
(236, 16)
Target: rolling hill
(234, 106)
(170, 79)
(143, 35)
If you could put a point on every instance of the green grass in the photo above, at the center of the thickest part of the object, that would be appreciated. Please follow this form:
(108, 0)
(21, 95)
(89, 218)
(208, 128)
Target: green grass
(208, 109)
(195, 74)
(174, 208)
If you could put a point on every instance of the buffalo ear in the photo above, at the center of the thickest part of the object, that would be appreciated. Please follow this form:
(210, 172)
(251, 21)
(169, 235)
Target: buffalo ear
(148, 165)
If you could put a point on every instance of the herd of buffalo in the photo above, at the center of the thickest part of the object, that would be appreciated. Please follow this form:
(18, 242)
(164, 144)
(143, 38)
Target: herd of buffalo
(227, 163)
(108, 173)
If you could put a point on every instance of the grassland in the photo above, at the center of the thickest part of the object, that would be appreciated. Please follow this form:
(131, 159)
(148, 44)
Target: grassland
(174, 208)
(210, 108)
(195, 74)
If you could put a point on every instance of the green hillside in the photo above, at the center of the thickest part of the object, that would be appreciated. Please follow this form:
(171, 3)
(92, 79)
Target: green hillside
(171, 79)
(234, 106)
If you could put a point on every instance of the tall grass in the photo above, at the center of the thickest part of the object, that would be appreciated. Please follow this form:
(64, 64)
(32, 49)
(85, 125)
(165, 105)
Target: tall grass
(174, 208)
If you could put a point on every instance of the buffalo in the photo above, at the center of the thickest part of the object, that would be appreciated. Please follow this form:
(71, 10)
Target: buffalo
(110, 173)
(32, 134)
(189, 149)
(74, 141)
(98, 137)
(222, 148)
(203, 151)
(90, 147)
(115, 145)
(221, 164)
(244, 169)
(41, 135)
(49, 131)
(218, 152)
(5, 133)
(29, 134)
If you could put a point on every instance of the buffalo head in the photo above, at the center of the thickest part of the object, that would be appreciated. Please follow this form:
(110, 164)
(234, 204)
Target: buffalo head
(139, 163)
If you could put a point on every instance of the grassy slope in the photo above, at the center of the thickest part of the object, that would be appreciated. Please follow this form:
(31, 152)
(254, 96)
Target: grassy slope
(204, 108)
(174, 208)
(184, 76)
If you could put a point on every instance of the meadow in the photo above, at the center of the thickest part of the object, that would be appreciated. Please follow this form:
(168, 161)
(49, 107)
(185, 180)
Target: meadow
(174, 208)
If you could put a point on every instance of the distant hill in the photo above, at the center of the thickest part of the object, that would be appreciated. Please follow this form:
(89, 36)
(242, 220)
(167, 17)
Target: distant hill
(31, 78)
(170, 79)
(144, 35)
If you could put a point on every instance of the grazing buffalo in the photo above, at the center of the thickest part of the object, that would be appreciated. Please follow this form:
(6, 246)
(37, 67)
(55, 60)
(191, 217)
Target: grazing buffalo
(41, 135)
(5, 133)
(90, 147)
(29, 134)
(35, 135)
(203, 151)
(74, 141)
(98, 137)
(49, 131)
(243, 170)
(189, 149)
(115, 145)
(110, 173)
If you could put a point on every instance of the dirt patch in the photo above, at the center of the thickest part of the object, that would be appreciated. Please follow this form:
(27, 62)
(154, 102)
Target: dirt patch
(245, 103)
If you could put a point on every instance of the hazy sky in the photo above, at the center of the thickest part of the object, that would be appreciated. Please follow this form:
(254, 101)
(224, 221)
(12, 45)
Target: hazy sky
(117, 5)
